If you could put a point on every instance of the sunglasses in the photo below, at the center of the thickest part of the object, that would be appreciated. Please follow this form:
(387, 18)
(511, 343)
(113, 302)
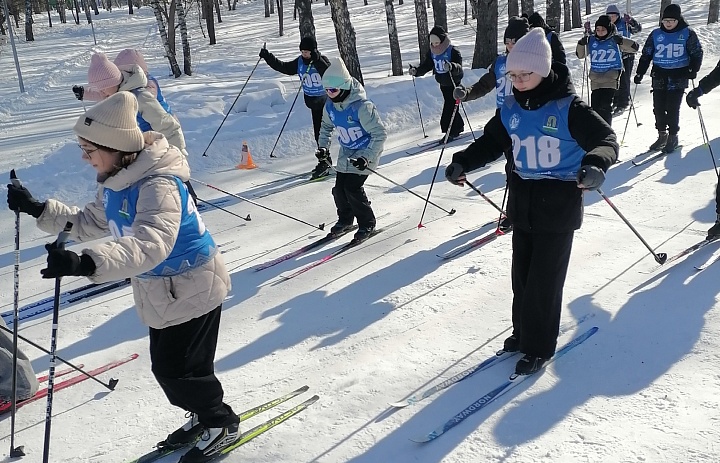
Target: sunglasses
(332, 90)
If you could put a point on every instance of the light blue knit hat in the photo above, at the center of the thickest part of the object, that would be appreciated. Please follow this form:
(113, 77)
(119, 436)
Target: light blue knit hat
(337, 75)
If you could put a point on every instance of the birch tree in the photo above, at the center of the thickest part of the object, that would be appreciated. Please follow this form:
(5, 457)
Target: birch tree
(29, 36)
(440, 13)
(395, 57)
(487, 32)
(345, 35)
(422, 28)
(713, 11)
(554, 12)
(182, 24)
(169, 52)
(306, 22)
(528, 6)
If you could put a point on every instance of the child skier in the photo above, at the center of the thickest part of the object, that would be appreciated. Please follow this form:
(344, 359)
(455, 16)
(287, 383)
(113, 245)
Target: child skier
(626, 26)
(361, 135)
(179, 278)
(556, 146)
(676, 55)
(495, 77)
(706, 85)
(445, 61)
(605, 49)
(558, 51)
(310, 66)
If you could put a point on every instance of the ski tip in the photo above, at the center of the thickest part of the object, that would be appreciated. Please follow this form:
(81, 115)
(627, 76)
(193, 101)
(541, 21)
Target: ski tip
(402, 404)
(421, 439)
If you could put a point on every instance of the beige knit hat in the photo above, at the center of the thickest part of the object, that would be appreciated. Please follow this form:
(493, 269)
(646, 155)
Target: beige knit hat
(112, 123)
(102, 73)
(531, 53)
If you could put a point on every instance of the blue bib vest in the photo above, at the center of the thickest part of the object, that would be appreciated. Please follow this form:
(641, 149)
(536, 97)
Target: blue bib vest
(605, 55)
(193, 247)
(351, 134)
(670, 51)
(623, 28)
(310, 79)
(440, 59)
(142, 123)
(542, 145)
(503, 85)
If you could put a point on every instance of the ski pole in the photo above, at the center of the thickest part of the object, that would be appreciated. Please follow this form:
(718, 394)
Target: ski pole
(660, 257)
(111, 384)
(319, 227)
(447, 134)
(490, 201)
(15, 451)
(417, 100)
(582, 88)
(233, 105)
(632, 107)
(286, 119)
(246, 219)
(472, 132)
(706, 139)
(60, 243)
(450, 212)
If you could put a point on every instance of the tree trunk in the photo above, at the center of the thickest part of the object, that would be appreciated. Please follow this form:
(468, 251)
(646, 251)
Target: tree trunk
(169, 53)
(306, 23)
(713, 11)
(513, 8)
(29, 36)
(272, 7)
(487, 32)
(440, 13)
(345, 35)
(209, 20)
(47, 4)
(77, 12)
(94, 5)
(62, 13)
(473, 8)
(217, 11)
(395, 57)
(182, 24)
(422, 28)
(567, 22)
(130, 8)
(553, 15)
(87, 11)
(663, 5)
(267, 8)
(170, 27)
(588, 9)
(281, 29)
(528, 6)
(576, 18)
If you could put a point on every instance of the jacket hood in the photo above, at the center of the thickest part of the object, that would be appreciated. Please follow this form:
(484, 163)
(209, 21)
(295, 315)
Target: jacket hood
(555, 86)
(133, 78)
(158, 158)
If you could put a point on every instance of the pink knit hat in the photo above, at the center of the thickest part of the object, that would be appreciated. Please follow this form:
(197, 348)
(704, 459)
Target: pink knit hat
(129, 57)
(531, 53)
(102, 73)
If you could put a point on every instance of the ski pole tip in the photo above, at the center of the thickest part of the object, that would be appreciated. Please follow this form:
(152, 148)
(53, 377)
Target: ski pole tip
(112, 383)
(661, 257)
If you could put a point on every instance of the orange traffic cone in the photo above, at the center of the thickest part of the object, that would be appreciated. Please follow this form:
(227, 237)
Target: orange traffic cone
(246, 160)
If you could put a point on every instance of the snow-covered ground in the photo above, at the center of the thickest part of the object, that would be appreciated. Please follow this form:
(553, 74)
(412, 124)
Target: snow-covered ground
(388, 319)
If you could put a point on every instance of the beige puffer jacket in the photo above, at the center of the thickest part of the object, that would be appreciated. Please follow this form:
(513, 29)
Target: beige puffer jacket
(608, 79)
(160, 302)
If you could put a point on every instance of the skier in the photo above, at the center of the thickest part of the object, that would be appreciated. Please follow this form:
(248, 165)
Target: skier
(605, 49)
(361, 135)
(559, 147)
(445, 61)
(706, 85)
(627, 26)
(26, 383)
(179, 278)
(558, 51)
(310, 66)
(676, 55)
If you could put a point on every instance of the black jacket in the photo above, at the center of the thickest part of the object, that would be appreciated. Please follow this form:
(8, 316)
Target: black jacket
(556, 46)
(545, 206)
(711, 80)
(290, 68)
(444, 79)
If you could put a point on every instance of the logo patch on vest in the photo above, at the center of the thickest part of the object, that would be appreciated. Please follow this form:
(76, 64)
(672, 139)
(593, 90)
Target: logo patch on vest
(514, 121)
(550, 124)
(124, 209)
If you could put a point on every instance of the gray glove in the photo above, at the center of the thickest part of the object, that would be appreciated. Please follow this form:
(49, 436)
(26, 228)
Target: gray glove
(453, 172)
(590, 177)
(446, 66)
(412, 71)
(460, 93)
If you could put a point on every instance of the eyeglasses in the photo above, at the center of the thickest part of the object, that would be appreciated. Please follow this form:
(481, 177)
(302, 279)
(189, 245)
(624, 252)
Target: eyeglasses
(509, 41)
(87, 153)
(332, 90)
(669, 20)
(523, 77)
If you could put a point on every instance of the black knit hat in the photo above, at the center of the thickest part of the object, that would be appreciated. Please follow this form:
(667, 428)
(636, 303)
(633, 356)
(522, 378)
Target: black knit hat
(604, 21)
(536, 20)
(516, 28)
(672, 11)
(439, 31)
(308, 43)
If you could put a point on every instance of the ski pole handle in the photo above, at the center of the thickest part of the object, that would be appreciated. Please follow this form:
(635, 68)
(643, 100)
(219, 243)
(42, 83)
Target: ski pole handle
(64, 235)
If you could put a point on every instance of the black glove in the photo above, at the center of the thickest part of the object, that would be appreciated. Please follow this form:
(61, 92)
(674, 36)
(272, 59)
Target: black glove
(453, 172)
(360, 163)
(79, 91)
(590, 177)
(583, 41)
(692, 97)
(412, 71)
(692, 74)
(61, 262)
(20, 199)
(460, 93)
(322, 154)
(264, 53)
(315, 56)
(618, 39)
(638, 79)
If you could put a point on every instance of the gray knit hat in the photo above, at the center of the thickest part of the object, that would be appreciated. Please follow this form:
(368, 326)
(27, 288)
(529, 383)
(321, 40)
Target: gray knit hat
(112, 123)
(531, 53)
